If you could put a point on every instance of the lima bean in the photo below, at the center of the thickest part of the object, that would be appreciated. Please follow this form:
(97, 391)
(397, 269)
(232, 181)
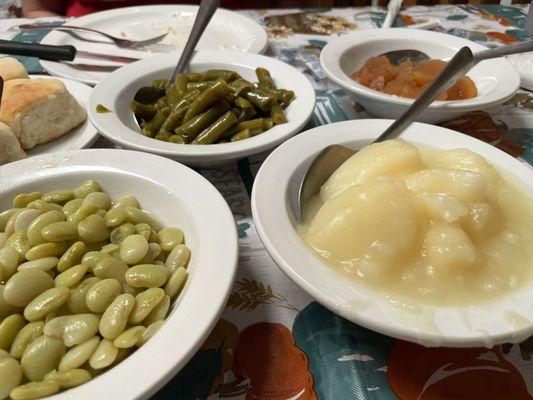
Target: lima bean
(104, 355)
(42, 356)
(115, 217)
(9, 259)
(60, 231)
(5, 307)
(145, 303)
(25, 336)
(42, 250)
(76, 303)
(178, 257)
(81, 213)
(170, 238)
(43, 264)
(79, 355)
(91, 258)
(10, 376)
(9, 328)
(115, 317)
(43, 220)
(24, 218)
(133, 249)
(72, 276)
(93, 229)
(48, 301)
(147, 275)
(73, 329)
(154, 250)
(121, 232)
(72, 206)
(71, 257)
(150, 331)
(129, 337)
(5, 216)
(44, 206)
(126, 201)
(176, 282)
(87, 187)
(10, 226)
(102, 294)
(159, 313)
(23, 199)
(19, 242)
(26, 285)
(99, 199)
(58, 196)
(34, 390)
(111, 268)
(68, 379)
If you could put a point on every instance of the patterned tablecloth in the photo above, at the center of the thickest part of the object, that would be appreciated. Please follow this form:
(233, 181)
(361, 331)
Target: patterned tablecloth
(273, 341)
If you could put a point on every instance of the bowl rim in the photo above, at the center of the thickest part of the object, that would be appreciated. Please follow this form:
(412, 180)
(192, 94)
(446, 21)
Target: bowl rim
(110, 126)
(333, 51)
(215, 232)
(328, 286)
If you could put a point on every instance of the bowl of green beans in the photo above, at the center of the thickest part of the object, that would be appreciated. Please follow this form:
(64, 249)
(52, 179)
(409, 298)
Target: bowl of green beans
(227, 106)
(106, 257)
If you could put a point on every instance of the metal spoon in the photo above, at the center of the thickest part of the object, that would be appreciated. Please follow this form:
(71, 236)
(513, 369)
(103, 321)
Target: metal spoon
(149, 94)
(396, 57)
(331, 158)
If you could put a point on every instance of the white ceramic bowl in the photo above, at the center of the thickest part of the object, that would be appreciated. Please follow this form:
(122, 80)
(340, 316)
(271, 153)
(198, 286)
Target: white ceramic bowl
(509, 319)
(496, 79)
(178, 196)
(116, 91)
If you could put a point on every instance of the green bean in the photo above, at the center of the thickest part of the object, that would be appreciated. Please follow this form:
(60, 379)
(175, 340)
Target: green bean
(194, 77)
(208, 97)
(245, 134)
(155, 124)
(176, 139)
(177, 112)
(241, 102)
(277, 114)
(160, 83)
(264, 78)
(143, 111)
(214, 131)
(198, 85)
(171, 93)
(268, 123)
(244, 114)
(262, 100)
(214, 74)
(194, 126)
(181, 84)
(161, 103)
(240, 87)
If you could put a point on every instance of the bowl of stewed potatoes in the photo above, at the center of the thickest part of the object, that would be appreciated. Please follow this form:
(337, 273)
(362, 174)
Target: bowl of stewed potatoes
(114, 267)
(425, 238)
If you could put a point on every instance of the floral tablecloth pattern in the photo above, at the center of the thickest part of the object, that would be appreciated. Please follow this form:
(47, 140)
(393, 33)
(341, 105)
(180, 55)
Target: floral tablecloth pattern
(273, 341)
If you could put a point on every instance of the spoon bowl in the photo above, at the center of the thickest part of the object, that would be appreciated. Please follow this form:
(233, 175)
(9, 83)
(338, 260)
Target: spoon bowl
(396, 57)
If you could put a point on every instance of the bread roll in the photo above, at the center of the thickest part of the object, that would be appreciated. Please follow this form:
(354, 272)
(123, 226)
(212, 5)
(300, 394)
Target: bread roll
(11, 68)
(39, 110)
(10, 149)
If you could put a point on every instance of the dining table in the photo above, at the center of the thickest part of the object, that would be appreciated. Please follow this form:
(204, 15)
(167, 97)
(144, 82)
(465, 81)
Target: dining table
(274, 341)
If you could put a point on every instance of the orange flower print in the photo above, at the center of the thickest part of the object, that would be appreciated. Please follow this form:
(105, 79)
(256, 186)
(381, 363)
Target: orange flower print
(419, 373)
(277, 369)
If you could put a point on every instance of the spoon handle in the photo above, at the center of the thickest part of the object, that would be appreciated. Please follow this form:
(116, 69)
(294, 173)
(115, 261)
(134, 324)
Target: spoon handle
(205, 12)
(504, 51)
(456, 67)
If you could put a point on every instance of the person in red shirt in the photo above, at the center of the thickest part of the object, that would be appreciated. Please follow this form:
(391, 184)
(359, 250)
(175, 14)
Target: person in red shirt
(76, 8)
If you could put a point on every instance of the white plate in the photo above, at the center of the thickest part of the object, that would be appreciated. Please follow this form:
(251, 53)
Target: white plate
(119, 126)
(496, 79)
(509, 319)
(227, 30)
(178, 196)
(78, 138)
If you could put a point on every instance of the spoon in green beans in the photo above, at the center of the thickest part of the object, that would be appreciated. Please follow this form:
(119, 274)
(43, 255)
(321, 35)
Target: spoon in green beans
(150, 94)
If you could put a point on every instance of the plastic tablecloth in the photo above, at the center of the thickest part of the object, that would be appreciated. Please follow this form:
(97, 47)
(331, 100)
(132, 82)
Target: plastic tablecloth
(274, 342)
